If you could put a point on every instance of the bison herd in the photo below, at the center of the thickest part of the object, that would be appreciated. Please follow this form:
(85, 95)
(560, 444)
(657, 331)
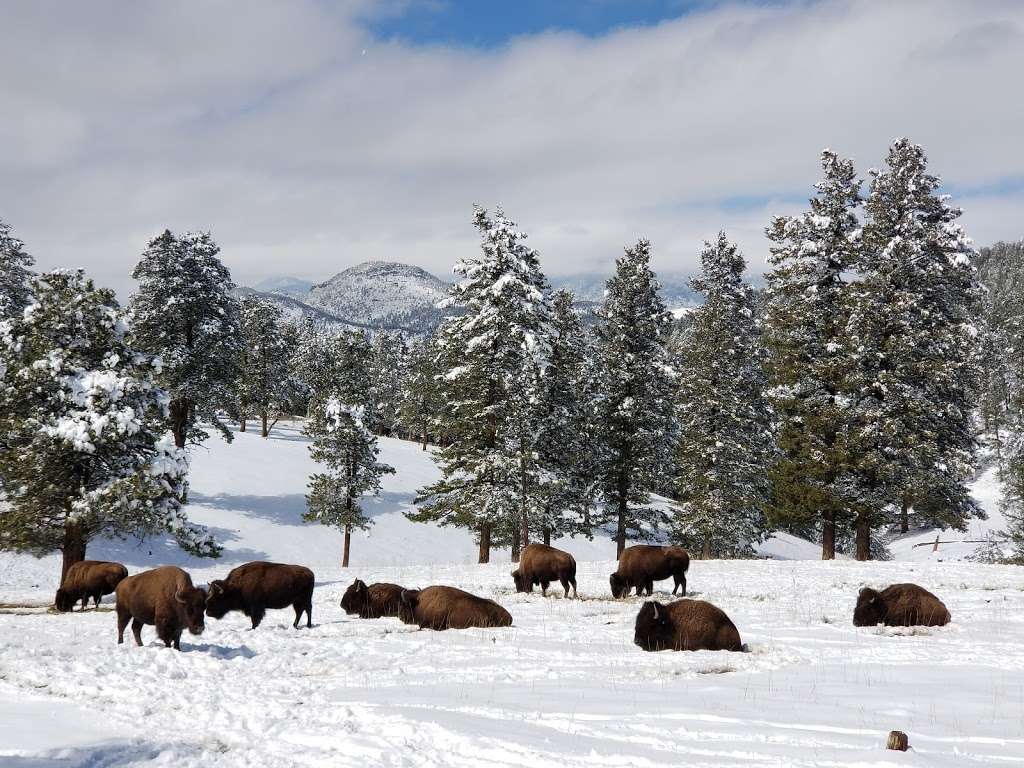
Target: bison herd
(166, 599)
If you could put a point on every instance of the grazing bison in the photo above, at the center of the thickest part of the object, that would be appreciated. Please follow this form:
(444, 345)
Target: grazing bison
(88, 578)
(254, 587)
(541, 564)
(164, 597)
(642, 565)
(900, 605)
(450, 608)
(374, 601)
(685, 625)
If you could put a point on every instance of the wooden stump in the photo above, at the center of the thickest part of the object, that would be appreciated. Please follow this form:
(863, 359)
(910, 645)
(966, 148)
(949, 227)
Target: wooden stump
(897, 740)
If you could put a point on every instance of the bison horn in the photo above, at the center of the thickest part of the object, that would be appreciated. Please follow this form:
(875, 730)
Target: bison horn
(216, 588)
(655, 610)
(178, 597)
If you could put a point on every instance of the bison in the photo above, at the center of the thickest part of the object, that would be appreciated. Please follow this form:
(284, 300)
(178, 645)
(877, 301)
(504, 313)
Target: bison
(685, 625)
(254, 587)
(541, 564)
(164, 597)
(642, 565)
(88, 578)
(374, 601)
(899, 605)
(450, 608)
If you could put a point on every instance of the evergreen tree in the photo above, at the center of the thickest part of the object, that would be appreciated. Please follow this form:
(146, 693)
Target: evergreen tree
(805, 338)
(87, 454)
(724, 439)
(421, 403)
(15, 271)
(492, 358)
(348, 449)
(912, 360)
(333, 365)
(634, 396)
(387, 371)
(264, 387)
(184, 313)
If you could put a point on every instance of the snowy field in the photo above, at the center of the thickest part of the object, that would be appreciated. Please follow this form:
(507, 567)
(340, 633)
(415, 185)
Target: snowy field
(563, 686)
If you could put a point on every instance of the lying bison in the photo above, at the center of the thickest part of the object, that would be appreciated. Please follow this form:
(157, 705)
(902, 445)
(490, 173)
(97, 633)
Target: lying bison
(163, 597)
(901, 605)
(372, 602)
(685, 625)
(254, 587)
(88, 578)
(642, 565)
(450, 608)
(541, 564)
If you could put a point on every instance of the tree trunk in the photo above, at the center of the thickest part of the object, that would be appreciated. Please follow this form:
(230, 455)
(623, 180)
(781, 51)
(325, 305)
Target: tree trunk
(348, 543)
(905, 515)
(828, 537)
(547, 536)
(706, 553)
(863, 530)
(73, 548)
(265, 430)
(515, 545)
(424, 437)
(179, 421)
(620, 530)
(242, 417)
(485, 543)
(525, 530)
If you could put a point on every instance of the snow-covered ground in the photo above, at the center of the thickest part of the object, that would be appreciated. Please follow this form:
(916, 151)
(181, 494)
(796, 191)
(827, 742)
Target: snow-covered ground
(563, 686)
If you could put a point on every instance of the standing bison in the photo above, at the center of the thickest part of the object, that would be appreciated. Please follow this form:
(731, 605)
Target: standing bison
(163, 597)
(685, 625)
(541, 564)
(450, 608)
(88, 579)
(900, 605)
(374, 601)
(254, 587)
(642, 565)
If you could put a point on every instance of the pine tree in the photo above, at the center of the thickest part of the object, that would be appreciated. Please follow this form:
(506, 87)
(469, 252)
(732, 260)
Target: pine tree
(492, 357)
(348, 449)
(420, 406)
(15, 271)
(387, 371)
(87, 453)
(913, 364)
(333, 365)
(724, 440)
(184, 313)
(264, 385)
(634, 396)
(805, 338)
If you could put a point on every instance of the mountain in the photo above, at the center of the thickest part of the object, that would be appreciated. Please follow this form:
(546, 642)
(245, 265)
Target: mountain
(284, 284)
(589, 289)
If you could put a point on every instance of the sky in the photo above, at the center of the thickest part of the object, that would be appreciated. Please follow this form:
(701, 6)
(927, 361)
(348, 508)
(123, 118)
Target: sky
(312, 135)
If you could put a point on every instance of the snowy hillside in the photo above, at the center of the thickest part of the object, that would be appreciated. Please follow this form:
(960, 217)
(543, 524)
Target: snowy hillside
(289, 286)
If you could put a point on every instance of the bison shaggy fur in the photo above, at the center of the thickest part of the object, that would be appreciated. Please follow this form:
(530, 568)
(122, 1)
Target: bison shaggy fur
(899, 605)
(254, 587)
(642, 565)
(163, 597)
(88, 579)
(540, 564)
(374, 601)
(685, 625)
(450, 608)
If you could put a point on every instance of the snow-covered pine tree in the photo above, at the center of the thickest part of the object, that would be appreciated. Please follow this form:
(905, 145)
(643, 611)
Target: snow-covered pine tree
(388, 362)
(566, 440)
(343, 444)
(915, 374)
(184, 313)
(805, 339)
(15, 271)
(87, 452)
(421, 403)
(724, 443)
(491, 358)
(264, 386)
(634, 391)
(333, 365)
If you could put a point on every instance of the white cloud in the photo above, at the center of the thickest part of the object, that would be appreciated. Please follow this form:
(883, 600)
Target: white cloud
(267, 124)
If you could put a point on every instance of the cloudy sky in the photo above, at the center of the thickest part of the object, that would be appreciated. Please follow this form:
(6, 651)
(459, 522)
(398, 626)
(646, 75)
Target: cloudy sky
(311, 135)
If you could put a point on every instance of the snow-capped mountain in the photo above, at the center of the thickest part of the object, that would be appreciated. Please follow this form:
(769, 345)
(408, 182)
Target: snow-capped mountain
(589, 289)
(289, 286)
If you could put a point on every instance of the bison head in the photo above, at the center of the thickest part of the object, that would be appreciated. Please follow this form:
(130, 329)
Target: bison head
(192, 602)
(356, 597)
(654, 630)
(407, 610)
(63, 602)
(870, 608)
(221, 598)
(619, 586)
(520, 580)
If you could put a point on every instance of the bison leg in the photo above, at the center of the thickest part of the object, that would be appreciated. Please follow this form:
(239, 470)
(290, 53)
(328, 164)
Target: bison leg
(137, 631)
(177, 640)
(257, 615)
(649, 587)
(301, 608)
(565, 585)
(680, 583)
(85, 602)
(544, 588)
(123, 617)
(575, 593)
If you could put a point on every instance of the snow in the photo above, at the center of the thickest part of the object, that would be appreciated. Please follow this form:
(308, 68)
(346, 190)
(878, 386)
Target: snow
(564, 686)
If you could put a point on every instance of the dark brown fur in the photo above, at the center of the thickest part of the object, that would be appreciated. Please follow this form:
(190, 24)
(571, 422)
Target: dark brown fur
(685, 625)
(88, 579)
(163, 597)
(642, 565)
(541, 564)
(254, 587)
(450, 608)
(374, 601)
(900, 605)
